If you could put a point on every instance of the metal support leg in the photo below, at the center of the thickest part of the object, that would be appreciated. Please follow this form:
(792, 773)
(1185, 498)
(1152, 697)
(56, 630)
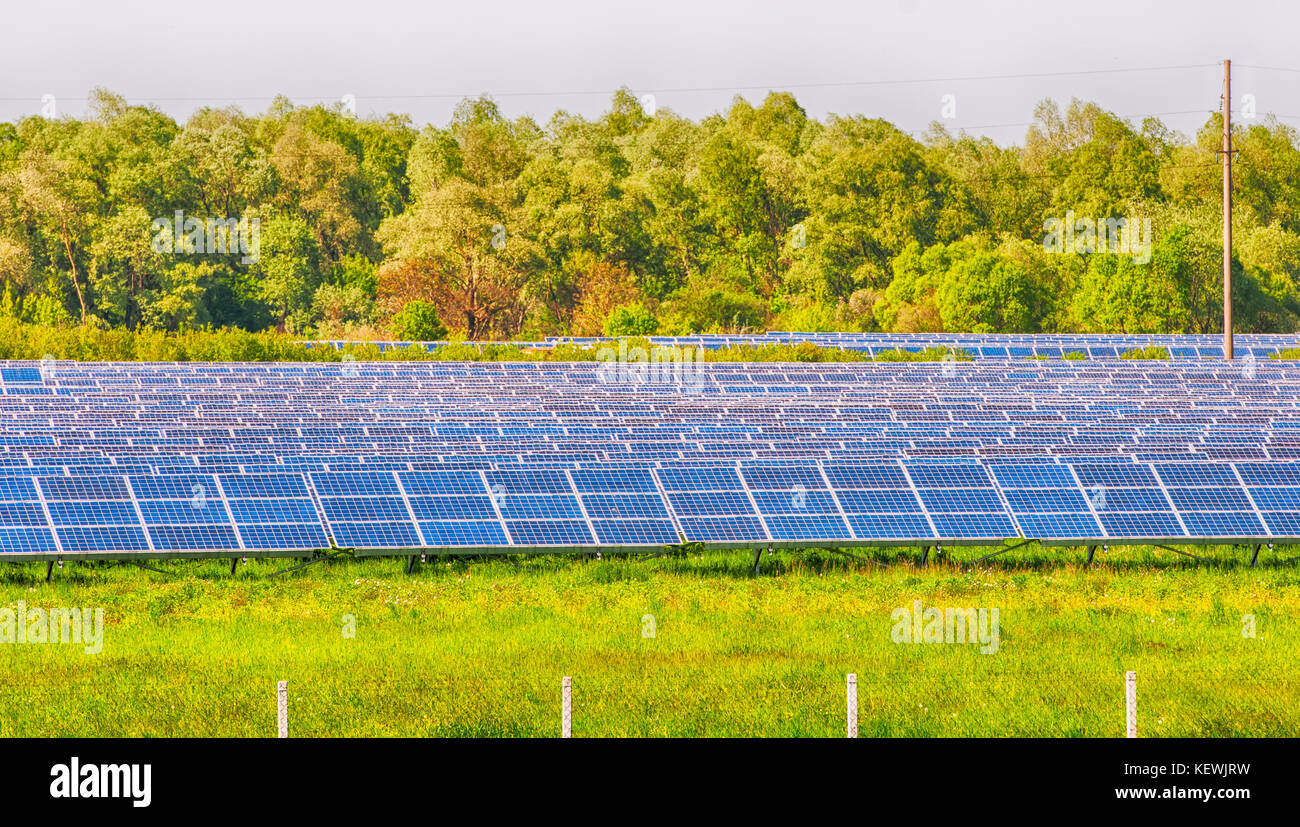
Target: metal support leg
(1254, 557)
(410, 564)
(758, 554)
(925, 555)
(1091, 551)
(49, 572)
(234, 561)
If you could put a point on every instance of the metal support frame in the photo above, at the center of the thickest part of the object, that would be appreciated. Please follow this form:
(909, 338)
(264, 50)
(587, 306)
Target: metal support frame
(310, 562)
(856, 557)
(49, 572)
(1000, 551)
(1092, 550)
(1254, 556)
(925, 556)
(138, 564)
(1187, 554)
(234, 561)
(410, 564)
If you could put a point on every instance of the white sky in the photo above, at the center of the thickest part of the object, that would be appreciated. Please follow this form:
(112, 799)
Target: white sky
(693, 56)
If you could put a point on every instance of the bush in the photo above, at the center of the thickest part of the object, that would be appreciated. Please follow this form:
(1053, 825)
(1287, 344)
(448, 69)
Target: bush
(630, 320)
(1150, 352)
(929, 354)
(418, 322)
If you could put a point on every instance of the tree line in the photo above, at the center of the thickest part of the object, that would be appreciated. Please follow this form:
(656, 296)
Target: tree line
(490, 228)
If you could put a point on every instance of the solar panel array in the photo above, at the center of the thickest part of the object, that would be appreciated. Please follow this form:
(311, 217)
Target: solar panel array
(979, 346)
(266, 459)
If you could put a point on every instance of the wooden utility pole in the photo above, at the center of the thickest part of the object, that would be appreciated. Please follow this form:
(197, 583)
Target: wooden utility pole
(1227, 209)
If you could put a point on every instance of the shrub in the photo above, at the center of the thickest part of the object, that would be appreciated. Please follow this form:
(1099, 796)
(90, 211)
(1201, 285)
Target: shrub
(630, 320)
(418, 322)
(1150, 352)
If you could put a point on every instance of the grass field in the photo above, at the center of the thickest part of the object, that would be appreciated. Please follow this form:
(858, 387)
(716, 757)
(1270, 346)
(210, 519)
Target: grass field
(478, 647)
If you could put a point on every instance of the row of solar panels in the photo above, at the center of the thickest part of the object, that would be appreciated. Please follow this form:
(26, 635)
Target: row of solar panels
(981, 345)
(630, 457)
(877, 503)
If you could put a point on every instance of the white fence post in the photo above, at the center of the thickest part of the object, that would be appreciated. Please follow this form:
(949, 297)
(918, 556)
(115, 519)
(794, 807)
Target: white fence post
(566, 709)
(282, 693)
(853, 705)
(1131, 703)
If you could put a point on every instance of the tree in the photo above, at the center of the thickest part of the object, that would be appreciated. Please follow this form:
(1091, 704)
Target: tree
(418, 322)
(630, 320)
(287, 268)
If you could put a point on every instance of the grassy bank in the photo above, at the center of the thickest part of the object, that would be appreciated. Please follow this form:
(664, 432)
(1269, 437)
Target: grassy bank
(89, 344)
(478, 648)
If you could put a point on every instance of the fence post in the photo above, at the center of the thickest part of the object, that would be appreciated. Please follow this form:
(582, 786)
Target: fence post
(566, 709)
(282, 693)
(1131, 703)
(853, 705)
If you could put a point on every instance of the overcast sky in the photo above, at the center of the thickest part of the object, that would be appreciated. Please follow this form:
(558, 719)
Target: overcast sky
(692, 55)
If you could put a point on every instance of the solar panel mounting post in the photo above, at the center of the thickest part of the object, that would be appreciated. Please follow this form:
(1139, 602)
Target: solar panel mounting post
(1092, 550)
(852, 699)
(1131, 704)
(1254, 557)
(282, 709)
(566, 708)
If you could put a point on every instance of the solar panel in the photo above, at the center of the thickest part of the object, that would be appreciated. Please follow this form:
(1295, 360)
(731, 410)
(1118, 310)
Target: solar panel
(441, 455)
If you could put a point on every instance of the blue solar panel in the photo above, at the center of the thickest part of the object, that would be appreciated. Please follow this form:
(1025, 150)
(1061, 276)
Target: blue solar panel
(722, 529)
(452, 508)
(624, 506)
(890, 527)
(813, 526)
(442, 482)
(215, 452)
(345, 509)
(538, 481)
(550, 532)
(701, 503)
(635, 532)
(974, 526)
(376, 535)
(522, 507)
(463, 533)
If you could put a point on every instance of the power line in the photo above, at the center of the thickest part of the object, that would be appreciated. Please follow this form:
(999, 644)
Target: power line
(674, 90)
(1269, 68)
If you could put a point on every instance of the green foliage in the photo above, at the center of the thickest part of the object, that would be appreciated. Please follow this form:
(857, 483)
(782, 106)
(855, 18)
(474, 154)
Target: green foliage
(418, 322)
(1149, 352)
(754, 218)
(630, 320)
(86, 343)
(929, 354)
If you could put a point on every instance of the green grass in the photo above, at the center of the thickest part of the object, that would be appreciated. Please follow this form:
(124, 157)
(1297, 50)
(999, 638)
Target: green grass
(1149, 352)
(19, 340)
(479, 647)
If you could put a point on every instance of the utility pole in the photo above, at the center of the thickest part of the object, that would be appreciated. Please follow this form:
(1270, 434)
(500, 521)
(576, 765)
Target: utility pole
(1227, 209)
